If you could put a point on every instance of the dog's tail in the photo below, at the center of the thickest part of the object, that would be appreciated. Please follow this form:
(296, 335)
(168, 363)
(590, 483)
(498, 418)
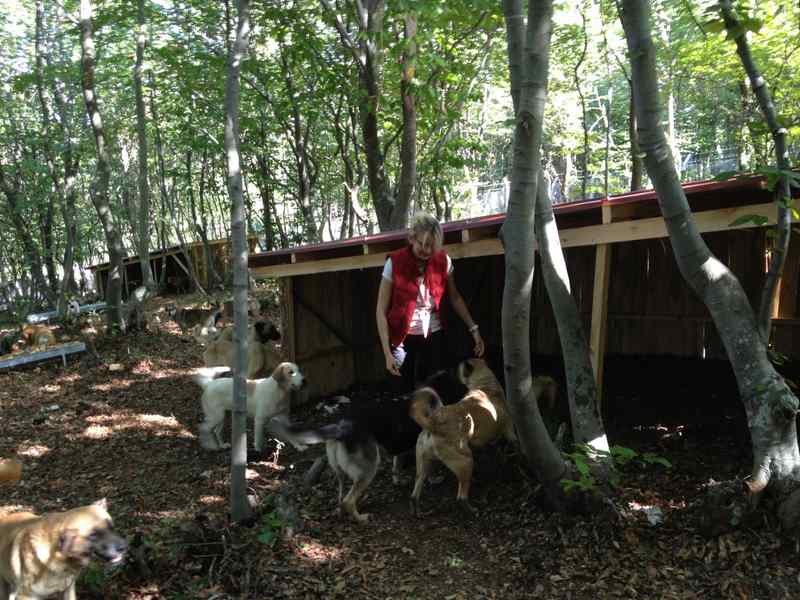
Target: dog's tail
(205, 375)
(424, 403)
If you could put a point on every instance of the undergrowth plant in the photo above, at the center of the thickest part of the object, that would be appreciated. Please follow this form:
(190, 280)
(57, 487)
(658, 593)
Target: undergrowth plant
(615, 459)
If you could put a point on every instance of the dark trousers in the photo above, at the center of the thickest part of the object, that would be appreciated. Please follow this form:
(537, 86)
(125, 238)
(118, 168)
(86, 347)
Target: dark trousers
(421, 357)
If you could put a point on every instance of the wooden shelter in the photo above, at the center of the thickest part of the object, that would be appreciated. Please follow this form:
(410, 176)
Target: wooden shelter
(175, 261)
(622, 271)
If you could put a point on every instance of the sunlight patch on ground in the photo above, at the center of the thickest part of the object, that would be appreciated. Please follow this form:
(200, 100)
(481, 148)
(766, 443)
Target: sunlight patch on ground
(51, 388)
(32, 450)
(158, 516)
(115, 384)
(317, 552)
(208, 500)
(103, 426)
(68, 378)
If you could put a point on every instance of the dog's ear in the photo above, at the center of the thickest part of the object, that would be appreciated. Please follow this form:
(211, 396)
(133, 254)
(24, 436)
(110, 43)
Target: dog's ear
(281, 374)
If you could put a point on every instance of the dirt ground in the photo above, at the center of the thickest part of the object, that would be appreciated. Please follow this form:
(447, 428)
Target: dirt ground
(122, 425)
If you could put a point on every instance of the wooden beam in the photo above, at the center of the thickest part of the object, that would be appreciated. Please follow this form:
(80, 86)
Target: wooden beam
(593, 235)
(288, 337)
(598, 332)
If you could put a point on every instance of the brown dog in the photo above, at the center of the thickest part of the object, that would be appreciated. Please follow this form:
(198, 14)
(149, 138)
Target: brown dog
(188, 318)
(10, 470)
(44, 555)
(38, 336)
(261, 359)
(450, 432)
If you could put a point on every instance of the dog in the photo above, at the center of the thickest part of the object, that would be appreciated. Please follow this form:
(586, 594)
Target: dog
(38, 336)
(261, 357)
(188, 318)
(268, 403)
(10, 470)
(353, 444)
(44, 555)
(449, 433)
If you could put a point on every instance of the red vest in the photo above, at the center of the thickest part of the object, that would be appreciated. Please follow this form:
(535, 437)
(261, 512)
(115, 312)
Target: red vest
(405, 289)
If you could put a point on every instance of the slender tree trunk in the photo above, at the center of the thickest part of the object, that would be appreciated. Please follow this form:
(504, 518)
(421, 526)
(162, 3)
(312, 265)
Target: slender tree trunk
(200, 225)
(587, 423)
(100, 197)
(240, 508)
(584, 117)
(143, 212)
(408, 146)
(518, 241)
(32, 255)
(770, 405)
(783, 195)
(637, 167)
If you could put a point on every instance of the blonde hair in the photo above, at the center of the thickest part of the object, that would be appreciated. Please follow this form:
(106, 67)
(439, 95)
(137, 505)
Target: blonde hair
(423, 223)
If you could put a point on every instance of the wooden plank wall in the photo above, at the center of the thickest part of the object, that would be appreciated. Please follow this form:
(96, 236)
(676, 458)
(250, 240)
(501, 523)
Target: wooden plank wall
(651, 309)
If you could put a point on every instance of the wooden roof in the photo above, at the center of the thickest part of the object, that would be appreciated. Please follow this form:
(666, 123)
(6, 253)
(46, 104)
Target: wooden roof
(620, 218)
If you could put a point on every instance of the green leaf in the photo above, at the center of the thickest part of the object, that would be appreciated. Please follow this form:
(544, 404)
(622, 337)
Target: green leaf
(715, 26)
(725, 175)
(655, 459)
(267, 537)
(757, 220)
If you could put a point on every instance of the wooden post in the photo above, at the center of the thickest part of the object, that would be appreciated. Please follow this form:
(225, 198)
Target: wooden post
(599, 326)
(288, 336)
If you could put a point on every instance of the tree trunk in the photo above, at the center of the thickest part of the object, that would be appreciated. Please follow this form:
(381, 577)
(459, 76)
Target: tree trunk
(240, 508)
(518, 241)
(367, 54)
(783, 194)
(770, 405)
(143, 230)
(100, 197)
(201, 227)
(587, 423)
(32, 255)
(637, 168)
(408, 146)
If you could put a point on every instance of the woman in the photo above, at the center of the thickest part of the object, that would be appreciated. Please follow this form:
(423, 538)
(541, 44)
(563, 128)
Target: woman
(414, 282)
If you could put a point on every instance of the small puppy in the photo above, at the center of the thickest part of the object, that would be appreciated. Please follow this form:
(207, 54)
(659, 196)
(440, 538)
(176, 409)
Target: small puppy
(38, 336)
(44, 555)
(450, 432)
(261, 358)
(268, 400)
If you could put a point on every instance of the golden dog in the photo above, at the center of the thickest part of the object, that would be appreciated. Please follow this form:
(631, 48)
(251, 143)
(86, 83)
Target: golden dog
(450, 432)
(44, 555)
(38, 336)
(10, 470)
(261, 358)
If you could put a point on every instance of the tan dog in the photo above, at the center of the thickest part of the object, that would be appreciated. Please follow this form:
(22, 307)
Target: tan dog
(44, 555)
(450, 432)
(38, 336)
(267, 400)
(10, 470)
(261, 358)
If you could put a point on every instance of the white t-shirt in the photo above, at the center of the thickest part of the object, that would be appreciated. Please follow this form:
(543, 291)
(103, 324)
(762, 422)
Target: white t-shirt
(424, 320)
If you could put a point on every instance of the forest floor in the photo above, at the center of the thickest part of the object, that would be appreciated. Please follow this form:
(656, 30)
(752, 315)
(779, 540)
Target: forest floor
(121, 424)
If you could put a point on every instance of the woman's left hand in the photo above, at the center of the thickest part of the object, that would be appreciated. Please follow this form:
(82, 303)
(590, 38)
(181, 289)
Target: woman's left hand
(479, 346)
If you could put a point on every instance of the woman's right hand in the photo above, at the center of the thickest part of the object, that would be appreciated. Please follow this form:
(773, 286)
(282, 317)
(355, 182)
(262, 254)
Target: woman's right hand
(391, 365)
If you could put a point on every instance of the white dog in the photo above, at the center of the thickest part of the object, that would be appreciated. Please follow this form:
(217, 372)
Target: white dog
(268, 403)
